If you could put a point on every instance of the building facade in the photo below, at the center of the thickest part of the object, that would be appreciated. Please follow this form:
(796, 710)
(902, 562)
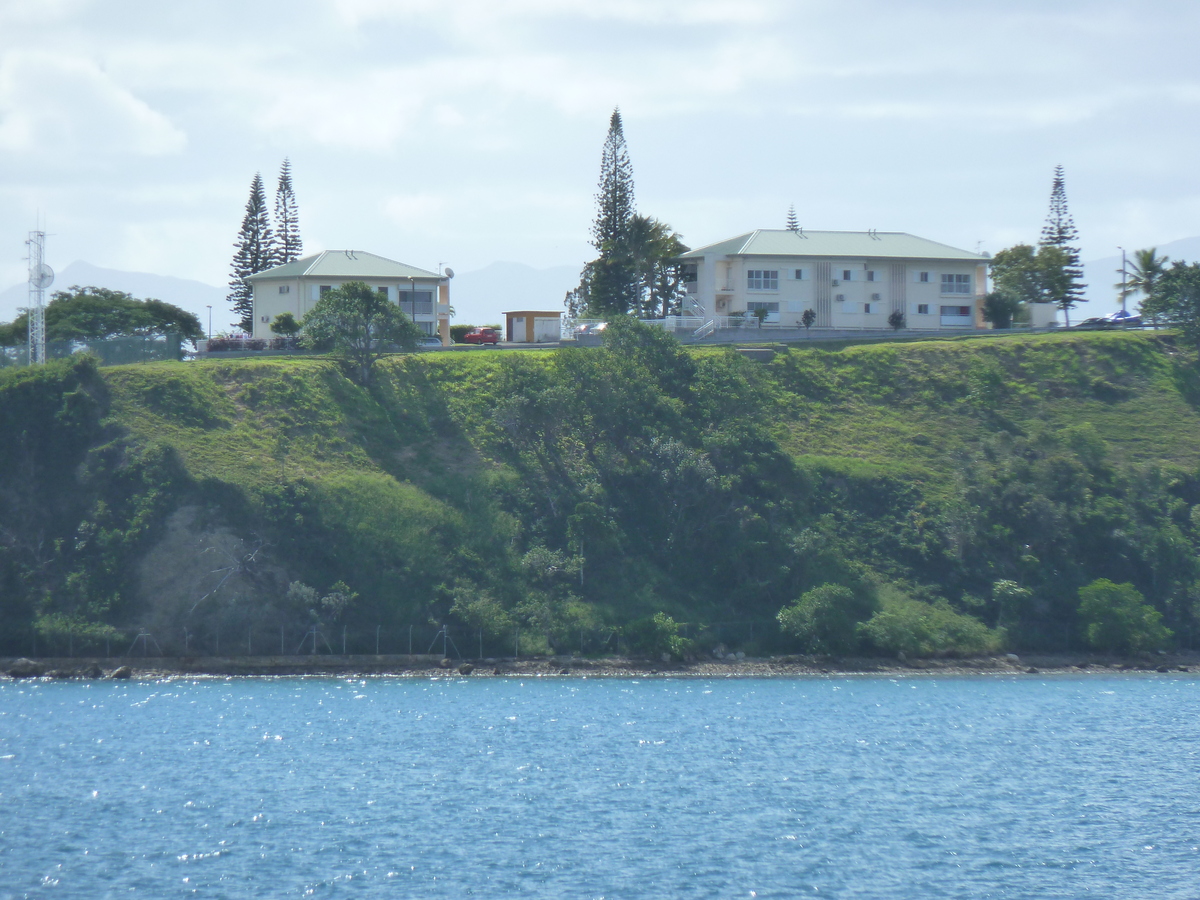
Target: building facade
(849, 279)
(532, 326)
(295, 287)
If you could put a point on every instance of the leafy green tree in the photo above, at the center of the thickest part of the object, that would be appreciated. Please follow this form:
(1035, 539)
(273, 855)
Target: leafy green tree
(90, 313)
(1176, 299)
(896, 319)
(825, 619)
(807, 318)
(1116, 617)
(254, 252)
(917, 628)
(654, 247)
(1029, 275)
(658, 636)
(1060, 232)
(361, 325)
(285, 325)
(1000, 308)
(288, 245)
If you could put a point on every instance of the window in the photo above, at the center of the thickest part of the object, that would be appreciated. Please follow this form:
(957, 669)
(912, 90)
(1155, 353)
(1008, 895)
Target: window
(866, 307)
(847, 275)
(417, 303)
(771, 308)
(956, 311)
(956, 284)
(383, 291)
(922, 309)
(799, 276)
(689, 274)
(285, 289)
(325, 289)
(426, 328)
(923, 277)
(762, 279)
(871, 275)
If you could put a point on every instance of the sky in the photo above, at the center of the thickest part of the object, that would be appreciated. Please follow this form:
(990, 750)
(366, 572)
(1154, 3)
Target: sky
(465, 132)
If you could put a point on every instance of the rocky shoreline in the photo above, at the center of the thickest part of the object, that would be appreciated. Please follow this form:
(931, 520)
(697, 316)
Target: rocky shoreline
(150, 668)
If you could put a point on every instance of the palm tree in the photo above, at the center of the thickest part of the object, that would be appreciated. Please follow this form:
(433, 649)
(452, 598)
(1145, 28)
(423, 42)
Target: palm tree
(1141, 276)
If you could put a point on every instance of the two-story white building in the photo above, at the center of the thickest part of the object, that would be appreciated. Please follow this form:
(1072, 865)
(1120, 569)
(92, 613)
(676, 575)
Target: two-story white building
(295, 287)
(849, 279)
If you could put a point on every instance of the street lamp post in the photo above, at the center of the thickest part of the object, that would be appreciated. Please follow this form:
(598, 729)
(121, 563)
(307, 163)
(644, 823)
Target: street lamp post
(210, 322)
(1124, 280)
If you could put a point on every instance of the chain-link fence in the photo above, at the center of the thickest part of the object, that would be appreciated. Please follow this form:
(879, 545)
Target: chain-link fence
(117, 351)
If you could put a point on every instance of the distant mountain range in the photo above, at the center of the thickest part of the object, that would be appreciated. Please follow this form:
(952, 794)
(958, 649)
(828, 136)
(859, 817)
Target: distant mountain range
(478, 297)
(194, 296)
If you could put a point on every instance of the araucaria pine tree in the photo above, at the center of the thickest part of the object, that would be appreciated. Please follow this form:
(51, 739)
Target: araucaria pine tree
(255, 252)
(1060, 232)
(288, 245)
(793, 224)
(614, 278)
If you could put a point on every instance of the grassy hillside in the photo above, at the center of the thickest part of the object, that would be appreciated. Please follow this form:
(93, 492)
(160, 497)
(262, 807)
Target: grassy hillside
(580, 489)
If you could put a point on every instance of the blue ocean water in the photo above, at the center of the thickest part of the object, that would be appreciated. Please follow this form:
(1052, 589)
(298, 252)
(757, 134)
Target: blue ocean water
(845, 787)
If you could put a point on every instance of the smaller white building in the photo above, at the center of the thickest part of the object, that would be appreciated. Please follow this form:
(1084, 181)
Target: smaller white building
(849, 279)
(295, 287)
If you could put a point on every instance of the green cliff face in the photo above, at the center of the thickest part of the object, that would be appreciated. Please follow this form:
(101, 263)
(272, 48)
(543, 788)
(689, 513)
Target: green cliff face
(560, 490)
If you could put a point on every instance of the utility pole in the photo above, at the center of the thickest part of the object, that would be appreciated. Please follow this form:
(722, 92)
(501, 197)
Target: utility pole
(41, 276)
(210, 322)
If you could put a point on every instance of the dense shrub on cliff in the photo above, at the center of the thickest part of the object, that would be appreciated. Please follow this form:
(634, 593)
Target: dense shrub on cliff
(577, 489)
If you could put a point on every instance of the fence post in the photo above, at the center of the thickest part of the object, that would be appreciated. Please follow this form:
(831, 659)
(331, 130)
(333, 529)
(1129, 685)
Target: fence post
(377, 640)
(281, 640)
(249, 645)
(517, 643)
(343, 640)
(481, 643)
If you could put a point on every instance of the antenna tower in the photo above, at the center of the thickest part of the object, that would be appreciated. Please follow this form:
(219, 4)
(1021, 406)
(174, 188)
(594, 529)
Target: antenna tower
(41, 276)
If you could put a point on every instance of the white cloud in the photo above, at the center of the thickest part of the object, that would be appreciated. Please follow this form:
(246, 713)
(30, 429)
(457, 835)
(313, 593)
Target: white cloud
(54, 105)
(482, 14)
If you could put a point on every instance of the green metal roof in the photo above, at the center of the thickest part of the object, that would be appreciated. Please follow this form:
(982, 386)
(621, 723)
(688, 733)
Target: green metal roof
(859, 244)
(344, 264)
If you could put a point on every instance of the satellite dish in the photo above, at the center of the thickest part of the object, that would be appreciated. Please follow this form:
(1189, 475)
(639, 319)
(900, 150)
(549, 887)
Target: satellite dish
(449, 272)
(43, 278)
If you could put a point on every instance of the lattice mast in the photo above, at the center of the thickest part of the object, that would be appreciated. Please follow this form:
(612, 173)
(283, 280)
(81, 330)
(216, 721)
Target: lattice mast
(41, 276)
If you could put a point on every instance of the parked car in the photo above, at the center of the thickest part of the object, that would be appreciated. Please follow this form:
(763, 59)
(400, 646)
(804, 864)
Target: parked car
(1095, 323)
(429, 342)
(1126, 318)
(481, 336)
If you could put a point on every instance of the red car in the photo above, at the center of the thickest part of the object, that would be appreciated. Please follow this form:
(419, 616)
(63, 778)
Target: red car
(481, 336)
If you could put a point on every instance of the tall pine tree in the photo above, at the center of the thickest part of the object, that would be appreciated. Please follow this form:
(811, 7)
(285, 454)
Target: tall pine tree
(793, 224)
(288, 245)
(614, 282)
(255, 251)
(1060, 232)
